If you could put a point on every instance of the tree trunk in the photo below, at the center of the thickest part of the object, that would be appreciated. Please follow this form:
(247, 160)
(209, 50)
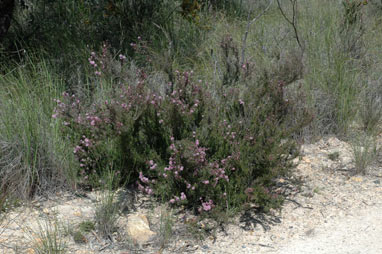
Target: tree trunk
(6, 11)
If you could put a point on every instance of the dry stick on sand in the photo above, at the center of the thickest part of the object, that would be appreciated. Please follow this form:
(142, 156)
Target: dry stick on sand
(250, 22)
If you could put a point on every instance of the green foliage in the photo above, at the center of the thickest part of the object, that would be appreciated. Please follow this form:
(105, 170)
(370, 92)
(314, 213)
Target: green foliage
(107, 208)
(32, 154)
(364, 151)
(166, 227)
(49, 239)
(78, 237)
(352, 10)
(352, 27)
(86, 226)
(370, 110)
(334, 156)
(55, 28)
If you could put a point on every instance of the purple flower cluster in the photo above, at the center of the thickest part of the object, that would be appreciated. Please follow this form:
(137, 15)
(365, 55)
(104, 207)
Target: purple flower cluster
(202, 177)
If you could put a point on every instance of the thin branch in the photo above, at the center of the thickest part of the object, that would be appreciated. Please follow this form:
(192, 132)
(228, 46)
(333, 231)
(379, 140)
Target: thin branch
(250, 22)
(293, 22)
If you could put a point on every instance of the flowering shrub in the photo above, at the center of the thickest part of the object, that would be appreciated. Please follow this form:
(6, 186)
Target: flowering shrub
(192, 149)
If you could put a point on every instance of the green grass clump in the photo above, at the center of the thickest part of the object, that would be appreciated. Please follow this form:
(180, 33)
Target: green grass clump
(87, 226)
(49, 238)
(33, 157)
(79, 237)
(365, 153)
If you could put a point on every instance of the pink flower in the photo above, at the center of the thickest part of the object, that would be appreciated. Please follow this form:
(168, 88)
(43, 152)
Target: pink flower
(76, 149)
(207, 205)
(87, 142)
(206, 182)
(122, 57)
(172, 201)
(140, 187)
(154, 166)
(142, 178)
(183, 196)
(149, 190)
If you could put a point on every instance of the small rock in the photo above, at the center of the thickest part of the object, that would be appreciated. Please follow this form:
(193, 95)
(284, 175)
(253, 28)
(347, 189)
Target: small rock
(356, 179)
(310, 232)
(30, 251)
(377, 182)
(346, 160)
(138, 229)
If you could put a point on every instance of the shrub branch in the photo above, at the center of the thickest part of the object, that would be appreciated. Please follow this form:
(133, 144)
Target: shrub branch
(250, 22)
(292, 21)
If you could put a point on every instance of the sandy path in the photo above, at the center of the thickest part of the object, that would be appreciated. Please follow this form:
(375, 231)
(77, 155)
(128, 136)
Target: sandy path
(361, 233)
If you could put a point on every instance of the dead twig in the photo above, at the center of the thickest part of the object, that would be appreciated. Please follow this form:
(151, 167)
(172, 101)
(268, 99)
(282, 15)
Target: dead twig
(292, 21)
(250, 22)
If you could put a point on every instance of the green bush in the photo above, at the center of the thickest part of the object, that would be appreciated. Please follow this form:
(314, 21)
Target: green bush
(210, 153)
(33, 157)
